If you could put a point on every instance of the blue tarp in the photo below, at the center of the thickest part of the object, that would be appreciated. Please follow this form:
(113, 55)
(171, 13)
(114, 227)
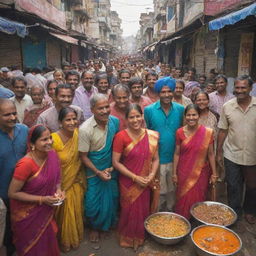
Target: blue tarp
(11, 27)
(233, 17)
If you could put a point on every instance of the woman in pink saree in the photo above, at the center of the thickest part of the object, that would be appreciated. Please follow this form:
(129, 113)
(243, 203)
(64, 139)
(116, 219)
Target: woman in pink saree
(194, 162)
(34, 190)
(135, 156)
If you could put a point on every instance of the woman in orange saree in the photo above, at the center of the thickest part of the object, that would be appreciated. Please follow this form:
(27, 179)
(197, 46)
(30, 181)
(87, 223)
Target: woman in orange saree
(194, 162)
(135, 156)
(34, 190)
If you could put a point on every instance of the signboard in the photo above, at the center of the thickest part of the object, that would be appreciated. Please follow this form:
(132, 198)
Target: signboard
(44, 10)
(245, 54)
(213, 7)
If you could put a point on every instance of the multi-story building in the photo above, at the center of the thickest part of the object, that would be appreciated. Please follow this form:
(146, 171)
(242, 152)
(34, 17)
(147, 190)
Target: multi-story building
(206, 34)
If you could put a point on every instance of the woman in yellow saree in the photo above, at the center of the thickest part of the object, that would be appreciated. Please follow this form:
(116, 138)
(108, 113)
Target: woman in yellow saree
(69, 215)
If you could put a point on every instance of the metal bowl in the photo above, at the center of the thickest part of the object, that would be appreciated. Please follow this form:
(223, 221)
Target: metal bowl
(167, 240)
(213, 203)
(201, 252)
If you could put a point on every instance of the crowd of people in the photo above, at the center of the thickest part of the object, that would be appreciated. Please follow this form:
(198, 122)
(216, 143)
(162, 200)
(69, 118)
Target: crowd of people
(107, 143)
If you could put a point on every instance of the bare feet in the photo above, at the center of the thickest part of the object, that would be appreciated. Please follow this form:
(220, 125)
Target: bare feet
(94, 236)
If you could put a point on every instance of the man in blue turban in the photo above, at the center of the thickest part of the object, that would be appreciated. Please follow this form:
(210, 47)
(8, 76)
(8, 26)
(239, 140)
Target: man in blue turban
(165, 81)
(165, 117)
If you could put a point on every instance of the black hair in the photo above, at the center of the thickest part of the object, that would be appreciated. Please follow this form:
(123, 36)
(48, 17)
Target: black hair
(62, 86)
(123, 71)
(202, 92)
(220, 77)
(64, 111)
(192, 106)
(135, 80)
(151, 73)
(72, 73)
(245, 77)
(37, 133)
(19, 78)
(36, 70)
(193, 70)
(133, 106)
(50, 82)
(180, 81)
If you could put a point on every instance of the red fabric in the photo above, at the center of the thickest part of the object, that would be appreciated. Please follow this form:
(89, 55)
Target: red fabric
(121, 141)
(134, 200)
(121, 116)
(25, 168)
(193, 169)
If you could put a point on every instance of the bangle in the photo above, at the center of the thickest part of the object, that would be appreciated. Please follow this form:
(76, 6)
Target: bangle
(174, 175)
(134, 177)
(40, 200)
(215, 176)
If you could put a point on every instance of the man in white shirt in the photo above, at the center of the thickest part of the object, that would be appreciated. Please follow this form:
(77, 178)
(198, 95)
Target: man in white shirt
(21, 99)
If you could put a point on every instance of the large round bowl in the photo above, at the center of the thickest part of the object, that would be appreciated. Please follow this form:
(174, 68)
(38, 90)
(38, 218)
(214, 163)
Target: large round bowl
(168, 240)
(213, 203)
(201, 252)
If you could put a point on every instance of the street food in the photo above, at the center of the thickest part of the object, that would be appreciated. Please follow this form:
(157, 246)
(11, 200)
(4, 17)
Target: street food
(216, 239)
(167, 226)
(213, 214)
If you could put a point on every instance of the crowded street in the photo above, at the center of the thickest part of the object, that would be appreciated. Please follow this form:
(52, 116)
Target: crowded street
(127, 128)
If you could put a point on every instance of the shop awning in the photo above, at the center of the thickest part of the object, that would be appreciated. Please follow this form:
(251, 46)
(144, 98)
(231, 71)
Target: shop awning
(65, 38)
(169, 41)
(233, 17)
(12, 27)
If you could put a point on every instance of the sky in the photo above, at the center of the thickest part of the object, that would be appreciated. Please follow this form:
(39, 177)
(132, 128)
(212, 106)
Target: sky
(129, 11)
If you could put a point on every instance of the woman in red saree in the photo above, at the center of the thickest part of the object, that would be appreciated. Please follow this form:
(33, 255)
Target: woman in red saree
(194, 162)
(135, 156)
(34, 189)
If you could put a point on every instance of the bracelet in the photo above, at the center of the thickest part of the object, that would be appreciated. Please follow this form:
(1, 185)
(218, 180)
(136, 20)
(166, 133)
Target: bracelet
(215, 176)
(174, 175)
(134, 177)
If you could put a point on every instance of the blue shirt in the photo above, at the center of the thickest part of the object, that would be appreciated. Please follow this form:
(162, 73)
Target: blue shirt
(166, 125)
(11, 150)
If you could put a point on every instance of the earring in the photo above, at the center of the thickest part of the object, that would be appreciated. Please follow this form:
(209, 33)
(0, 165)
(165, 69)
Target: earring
(33, 148)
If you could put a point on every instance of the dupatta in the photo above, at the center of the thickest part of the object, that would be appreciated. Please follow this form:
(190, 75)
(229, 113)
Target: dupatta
(30, 221)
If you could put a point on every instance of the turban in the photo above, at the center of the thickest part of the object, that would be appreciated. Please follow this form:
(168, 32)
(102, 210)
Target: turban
(166, 81)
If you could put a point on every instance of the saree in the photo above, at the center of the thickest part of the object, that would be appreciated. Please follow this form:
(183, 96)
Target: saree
(69, 216)
(135, 200)
(193, 169)
(101, 198)
(33, 227)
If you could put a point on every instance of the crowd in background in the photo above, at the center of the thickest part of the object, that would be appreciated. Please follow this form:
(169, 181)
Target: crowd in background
(107, 143)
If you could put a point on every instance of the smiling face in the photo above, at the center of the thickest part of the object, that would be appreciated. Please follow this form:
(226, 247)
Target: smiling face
(242, 89)
(221, 85)
(8, 115)
(134, 120)
(73, 80)
(101, 111)
(103, 86)
(87, 81)
(44, 142)
(124, 78)
(151, 80)
(70, 122)
(51, 89)
(64, 97)
(121, 99)
(202, 101)
(192, 117)
(136, 90)
(37, 95)
(179, 89)
(166, 95)
(19, 88)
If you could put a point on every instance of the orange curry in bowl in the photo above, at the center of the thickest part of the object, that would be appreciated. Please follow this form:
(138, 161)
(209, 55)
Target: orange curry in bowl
(216, 240)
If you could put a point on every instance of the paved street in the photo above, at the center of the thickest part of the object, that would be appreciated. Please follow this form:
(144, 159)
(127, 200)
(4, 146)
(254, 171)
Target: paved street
(109, 246)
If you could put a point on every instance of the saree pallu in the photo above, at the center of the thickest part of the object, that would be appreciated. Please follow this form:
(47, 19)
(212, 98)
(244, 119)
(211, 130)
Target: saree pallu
(193, 170)
(34, 232)
(69, 215)
(135, 200)
(101, 198)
